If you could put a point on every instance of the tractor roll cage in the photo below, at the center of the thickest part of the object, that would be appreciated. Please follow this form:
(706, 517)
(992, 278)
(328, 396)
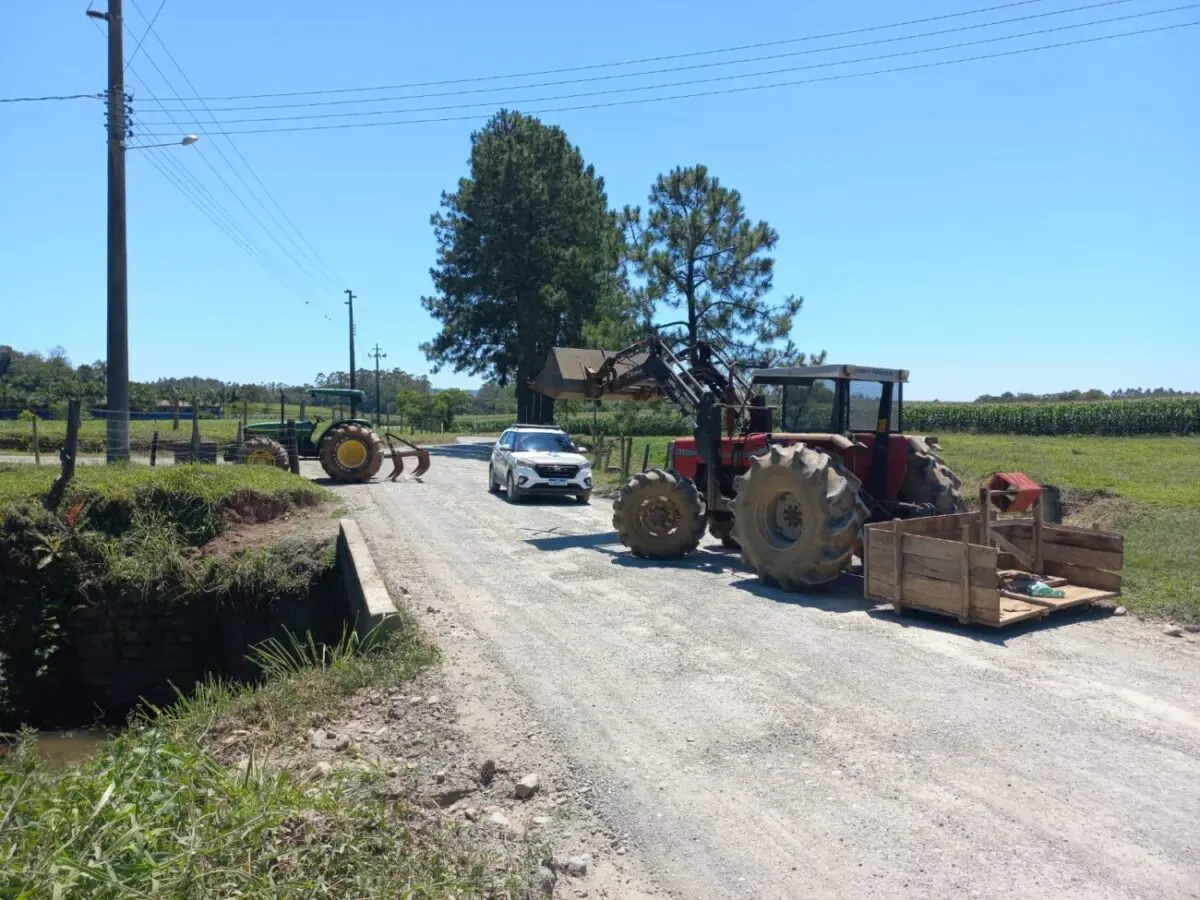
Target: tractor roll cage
(890, 414)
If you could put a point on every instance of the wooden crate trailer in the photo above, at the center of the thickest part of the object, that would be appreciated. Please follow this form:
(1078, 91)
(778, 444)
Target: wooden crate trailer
(968, 565)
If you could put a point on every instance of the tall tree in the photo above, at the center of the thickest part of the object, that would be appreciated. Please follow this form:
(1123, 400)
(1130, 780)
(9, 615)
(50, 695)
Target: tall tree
(528, 250)
(696, 249)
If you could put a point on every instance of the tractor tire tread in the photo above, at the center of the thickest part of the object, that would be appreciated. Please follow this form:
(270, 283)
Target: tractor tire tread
(643, 486)
(927, 479)
(262, 443)
(832, 509)
(338, 434)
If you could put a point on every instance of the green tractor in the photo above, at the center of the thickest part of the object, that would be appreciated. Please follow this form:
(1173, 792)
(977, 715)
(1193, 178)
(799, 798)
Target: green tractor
(349, 449)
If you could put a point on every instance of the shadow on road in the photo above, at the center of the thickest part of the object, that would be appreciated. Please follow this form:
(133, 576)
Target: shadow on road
(843, 595)
(985, 633)
(609, 543)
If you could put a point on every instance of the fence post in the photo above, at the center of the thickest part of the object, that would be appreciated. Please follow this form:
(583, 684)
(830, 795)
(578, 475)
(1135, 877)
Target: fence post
(245, 413)
(626, 452)
(646, 457)
(70, 450)
(37, 453)
(293, 448)
(195, 433)
(154, 447)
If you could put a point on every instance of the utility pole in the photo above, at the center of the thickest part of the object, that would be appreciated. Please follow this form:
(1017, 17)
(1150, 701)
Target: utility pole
(378, 407)
(353, 401)
(117, 372)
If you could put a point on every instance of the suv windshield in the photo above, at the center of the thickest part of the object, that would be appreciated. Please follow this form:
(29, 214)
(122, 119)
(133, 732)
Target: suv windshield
(544, 442)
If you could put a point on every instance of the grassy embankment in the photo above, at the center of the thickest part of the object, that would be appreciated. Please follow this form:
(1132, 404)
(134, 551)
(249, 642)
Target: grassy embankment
(17, 436)
(1147, 488)
(158, 811)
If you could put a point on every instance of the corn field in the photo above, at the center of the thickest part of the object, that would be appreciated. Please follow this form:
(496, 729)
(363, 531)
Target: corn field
(1172, 415)
(1169, 415)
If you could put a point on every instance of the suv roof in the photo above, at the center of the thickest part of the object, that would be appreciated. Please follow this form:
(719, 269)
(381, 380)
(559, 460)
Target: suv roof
(852, 373)
(534, 428)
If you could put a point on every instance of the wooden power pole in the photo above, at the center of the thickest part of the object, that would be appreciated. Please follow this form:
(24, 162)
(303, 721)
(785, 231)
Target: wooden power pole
(378, 407)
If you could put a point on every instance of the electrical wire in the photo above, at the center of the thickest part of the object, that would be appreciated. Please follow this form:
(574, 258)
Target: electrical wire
(239, 234)
(716, 78)
(710, 65)
(841, 76)
(51, 97)
(634, 62)
(310, 254)
(149, 27)
(189, 193)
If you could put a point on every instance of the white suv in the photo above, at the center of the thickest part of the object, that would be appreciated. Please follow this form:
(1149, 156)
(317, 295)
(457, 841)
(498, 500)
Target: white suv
(539, 459)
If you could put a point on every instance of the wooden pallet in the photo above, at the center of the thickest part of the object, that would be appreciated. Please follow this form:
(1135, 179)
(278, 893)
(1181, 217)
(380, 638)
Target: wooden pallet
(950, 565)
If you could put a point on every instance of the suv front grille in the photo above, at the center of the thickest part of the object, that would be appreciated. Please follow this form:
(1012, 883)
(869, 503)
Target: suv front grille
(556, 471)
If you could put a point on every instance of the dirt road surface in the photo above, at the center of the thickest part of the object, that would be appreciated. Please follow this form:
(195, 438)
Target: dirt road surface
(744, 742)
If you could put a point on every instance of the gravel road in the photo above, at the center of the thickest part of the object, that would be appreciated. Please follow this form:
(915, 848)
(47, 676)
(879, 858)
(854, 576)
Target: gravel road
(752, 743)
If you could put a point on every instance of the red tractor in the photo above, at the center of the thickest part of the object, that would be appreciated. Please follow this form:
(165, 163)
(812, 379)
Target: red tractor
(793, 500)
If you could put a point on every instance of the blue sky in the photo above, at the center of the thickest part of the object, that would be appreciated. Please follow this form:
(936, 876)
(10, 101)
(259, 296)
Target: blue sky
(1023, 223)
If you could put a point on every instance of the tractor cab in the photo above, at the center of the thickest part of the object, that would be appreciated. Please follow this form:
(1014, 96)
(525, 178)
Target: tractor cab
(857, 414)
(836, 399)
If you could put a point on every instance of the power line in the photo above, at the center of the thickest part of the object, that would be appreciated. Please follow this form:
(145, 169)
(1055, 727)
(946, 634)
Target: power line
(635, 62)
(51, 97)
(841, 76)
(311, 253)
(149, 27)
(706, 65)
(717, 78)
(231, 227)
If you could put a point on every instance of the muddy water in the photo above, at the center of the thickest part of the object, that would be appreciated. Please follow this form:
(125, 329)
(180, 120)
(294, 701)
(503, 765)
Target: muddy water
(67, 748)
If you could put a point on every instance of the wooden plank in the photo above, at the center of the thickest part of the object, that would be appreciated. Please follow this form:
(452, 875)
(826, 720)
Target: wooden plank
(1021, 553)
(1070, 536)
(1076, 595)
(939, 569)
(965, 569)
(1086, 577)
(945, 597)
(898, 563)
(935, 548)
(1081, 556)
(1011, 612)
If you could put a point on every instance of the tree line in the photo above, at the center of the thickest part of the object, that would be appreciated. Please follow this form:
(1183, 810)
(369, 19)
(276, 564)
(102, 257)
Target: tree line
(44, 381)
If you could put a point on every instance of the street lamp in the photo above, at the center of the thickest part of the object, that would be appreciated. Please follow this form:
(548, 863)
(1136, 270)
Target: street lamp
(187, 141)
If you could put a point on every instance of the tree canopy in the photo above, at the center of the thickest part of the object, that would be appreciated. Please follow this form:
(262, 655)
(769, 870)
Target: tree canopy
(528, 254)
(695, 249)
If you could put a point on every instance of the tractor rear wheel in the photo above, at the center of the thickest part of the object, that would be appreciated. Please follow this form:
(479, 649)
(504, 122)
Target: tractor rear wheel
(797, 515)
(351, 452)
(722, 530)
(657, 514)
(262, 451)
(929, 480)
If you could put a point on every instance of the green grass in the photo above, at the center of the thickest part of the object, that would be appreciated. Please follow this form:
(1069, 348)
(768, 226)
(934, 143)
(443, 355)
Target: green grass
(156, 813)
(17, 437)
(1147, 488)
(190, 499)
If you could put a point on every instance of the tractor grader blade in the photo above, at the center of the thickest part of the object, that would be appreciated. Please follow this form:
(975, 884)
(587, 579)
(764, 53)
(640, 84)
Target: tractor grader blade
(419, 453)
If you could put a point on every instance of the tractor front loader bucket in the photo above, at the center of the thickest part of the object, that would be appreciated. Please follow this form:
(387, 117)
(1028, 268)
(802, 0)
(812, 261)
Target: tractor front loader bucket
(419, 453)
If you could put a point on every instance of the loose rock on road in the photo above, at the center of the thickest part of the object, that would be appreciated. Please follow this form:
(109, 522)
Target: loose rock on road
(750, 742)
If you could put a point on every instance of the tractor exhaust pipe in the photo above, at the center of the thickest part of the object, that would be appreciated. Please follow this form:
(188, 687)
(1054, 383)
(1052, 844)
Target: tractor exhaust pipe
(419, 453)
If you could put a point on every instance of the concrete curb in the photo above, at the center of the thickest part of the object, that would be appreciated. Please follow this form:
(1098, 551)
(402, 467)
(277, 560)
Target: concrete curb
(371, 605)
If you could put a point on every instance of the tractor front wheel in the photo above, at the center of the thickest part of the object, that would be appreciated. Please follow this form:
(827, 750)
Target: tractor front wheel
(929, 480)
(351, 453)
(657, 515)
(797, 515)
(262, 451)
